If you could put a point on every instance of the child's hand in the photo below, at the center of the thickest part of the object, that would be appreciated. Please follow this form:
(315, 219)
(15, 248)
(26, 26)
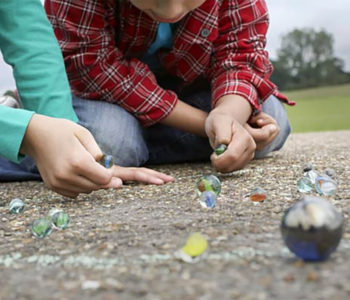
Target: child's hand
(144, 175)
(222, 128)
(65, 154)
(263, 128)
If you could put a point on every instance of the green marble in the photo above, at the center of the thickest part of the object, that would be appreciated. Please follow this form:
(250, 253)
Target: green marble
(42, 227)
(208, 183)
(221, 148)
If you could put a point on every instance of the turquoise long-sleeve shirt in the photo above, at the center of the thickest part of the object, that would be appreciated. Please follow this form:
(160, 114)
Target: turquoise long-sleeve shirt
(28, 44)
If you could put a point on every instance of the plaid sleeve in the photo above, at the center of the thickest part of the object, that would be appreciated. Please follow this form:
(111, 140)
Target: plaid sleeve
(97, 69)
(240, 64)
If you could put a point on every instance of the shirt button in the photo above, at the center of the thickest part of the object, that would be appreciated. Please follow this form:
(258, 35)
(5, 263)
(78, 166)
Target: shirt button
(205, 32)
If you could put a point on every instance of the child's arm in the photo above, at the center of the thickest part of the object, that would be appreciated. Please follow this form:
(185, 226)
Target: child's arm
(28, 44)
(240, 70)
(66, 154)
(187, 118)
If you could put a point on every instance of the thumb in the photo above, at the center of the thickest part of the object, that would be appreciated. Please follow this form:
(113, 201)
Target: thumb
(223, 133)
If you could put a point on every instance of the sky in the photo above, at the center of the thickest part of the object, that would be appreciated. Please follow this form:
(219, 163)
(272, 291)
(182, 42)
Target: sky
(285, 15)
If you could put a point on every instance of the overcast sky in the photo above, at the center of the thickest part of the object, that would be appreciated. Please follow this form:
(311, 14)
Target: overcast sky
(285, 15)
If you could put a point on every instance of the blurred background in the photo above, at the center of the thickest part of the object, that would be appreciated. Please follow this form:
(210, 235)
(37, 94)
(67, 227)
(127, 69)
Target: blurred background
(309, 45)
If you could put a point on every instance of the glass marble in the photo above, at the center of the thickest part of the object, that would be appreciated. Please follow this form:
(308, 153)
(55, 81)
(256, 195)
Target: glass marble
(308, 167)
(312, 228)
(107, 161)
(325, 185)
(59, 218)
(305, 185)
(16, 206)
(330, 172)
(258, 195)
(221, 148)
(207, 199)
(194, 248)
(42, 227)
(312, 175)
(208, 183)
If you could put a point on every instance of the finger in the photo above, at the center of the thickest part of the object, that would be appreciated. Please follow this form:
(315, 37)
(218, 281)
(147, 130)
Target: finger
(142, 174)
(74, 184)
(258, 134)
(237, 164)
(135, 174)
(163, 176)
(266, 122)
(115, 183)
(80, 184)
(223, 132)
(66, 193)
(236, 156)
(89, 143)
(87, 167)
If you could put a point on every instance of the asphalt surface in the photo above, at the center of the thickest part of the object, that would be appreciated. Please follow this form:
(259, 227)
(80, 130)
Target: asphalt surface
(121, 244)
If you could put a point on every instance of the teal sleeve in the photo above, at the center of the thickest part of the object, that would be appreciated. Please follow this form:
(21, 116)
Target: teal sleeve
(13, 125)
(29, 45)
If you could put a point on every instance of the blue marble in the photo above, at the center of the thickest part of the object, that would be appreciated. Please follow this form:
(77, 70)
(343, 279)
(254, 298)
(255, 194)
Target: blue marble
(312, 228)
(207, 199)
(107, 161)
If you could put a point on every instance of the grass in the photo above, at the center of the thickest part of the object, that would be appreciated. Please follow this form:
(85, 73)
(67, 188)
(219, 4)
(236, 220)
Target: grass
(320, 109)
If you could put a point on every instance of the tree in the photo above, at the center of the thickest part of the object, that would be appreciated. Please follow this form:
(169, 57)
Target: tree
(306, 58)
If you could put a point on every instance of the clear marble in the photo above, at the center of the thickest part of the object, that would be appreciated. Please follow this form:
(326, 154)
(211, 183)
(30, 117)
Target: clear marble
(207, 199)
(59, 218)
(312, 175)
(325, 185)
(305, 185)
(258, 195)
(42, 227)
(330, 172)
(308, 167)
(16, 206)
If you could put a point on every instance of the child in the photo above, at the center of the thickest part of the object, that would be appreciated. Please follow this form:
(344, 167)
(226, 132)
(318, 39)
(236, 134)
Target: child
(65, 152)
(194, 73)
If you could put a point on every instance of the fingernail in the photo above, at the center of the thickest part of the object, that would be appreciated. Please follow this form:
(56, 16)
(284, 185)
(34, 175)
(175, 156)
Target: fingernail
(158, 181)
(116, 182)
(272, 128)
(171, 178)
(259, 120)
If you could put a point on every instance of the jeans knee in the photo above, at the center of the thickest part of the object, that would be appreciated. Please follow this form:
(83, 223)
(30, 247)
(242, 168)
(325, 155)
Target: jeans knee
(116, 131)
(130, 153)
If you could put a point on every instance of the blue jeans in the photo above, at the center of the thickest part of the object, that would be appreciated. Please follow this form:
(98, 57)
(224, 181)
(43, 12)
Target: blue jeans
(119, 133)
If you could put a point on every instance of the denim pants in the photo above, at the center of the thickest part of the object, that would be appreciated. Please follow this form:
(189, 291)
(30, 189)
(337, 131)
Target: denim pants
(119, 133)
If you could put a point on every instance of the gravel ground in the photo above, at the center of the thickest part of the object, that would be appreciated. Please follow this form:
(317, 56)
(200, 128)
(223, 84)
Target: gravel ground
(121, 244)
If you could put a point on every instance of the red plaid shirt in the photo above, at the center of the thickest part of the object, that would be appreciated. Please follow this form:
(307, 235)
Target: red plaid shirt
(222, 40)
